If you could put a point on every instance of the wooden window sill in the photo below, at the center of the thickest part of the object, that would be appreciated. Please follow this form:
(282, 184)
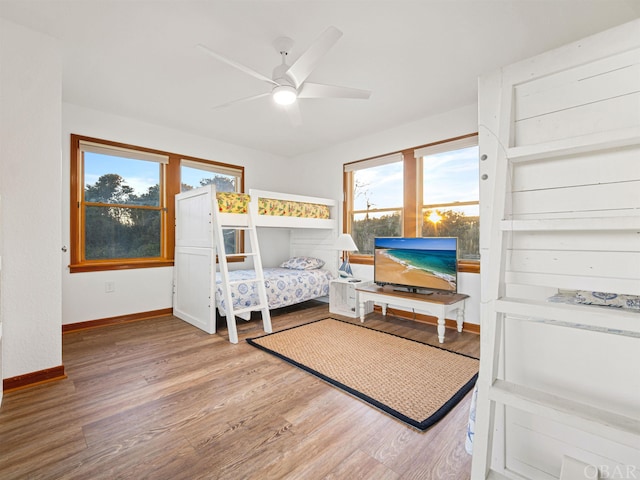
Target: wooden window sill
(110, 265)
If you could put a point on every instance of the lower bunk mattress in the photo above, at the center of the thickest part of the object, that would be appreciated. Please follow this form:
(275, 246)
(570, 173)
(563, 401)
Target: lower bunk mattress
(284, 287)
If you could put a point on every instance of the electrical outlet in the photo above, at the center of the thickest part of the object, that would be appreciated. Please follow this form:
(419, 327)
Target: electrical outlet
(109, 287)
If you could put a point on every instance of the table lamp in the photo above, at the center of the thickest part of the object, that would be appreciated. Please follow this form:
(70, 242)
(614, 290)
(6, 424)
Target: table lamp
(346, 244)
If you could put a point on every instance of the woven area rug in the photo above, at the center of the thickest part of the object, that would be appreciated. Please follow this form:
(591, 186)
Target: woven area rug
(414, 382)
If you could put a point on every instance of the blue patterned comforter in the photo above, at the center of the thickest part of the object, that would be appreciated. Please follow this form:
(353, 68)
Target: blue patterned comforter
(284, 287)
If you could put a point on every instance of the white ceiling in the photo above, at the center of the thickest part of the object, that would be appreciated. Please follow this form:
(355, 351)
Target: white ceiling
(419, 58)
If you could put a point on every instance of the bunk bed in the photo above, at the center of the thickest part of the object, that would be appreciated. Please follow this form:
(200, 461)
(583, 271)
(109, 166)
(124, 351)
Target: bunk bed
(200, 288)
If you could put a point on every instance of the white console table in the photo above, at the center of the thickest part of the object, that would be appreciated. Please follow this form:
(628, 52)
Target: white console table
(437, 304)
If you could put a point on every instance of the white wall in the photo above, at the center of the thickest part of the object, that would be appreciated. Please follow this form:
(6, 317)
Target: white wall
(320, 172)
(30, 185)
(147, 289)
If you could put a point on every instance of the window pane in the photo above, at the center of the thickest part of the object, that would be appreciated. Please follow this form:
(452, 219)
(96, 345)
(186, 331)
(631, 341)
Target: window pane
(378, 187)
(365, 227)
(450, 177)
(111, 179)
(117, 232)
(461, 222)
(231, 240)
(191, 178)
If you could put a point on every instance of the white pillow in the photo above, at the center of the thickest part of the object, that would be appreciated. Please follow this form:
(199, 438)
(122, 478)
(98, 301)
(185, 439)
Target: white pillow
(302, 263)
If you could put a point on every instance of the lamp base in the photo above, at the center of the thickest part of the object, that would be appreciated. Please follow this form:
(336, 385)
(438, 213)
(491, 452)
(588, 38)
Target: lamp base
(345, 270)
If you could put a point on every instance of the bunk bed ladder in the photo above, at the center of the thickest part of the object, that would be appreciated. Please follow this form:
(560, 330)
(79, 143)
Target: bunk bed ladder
(253, 251)
(508, 230)
(494, 393)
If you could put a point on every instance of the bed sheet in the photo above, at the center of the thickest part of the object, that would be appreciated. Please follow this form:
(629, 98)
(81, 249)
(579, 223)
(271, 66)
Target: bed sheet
(284, 287)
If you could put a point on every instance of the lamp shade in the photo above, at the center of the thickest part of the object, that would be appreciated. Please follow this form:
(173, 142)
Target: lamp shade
(345, 243)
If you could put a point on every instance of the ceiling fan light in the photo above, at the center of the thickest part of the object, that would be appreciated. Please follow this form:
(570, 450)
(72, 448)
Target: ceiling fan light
(284, 94)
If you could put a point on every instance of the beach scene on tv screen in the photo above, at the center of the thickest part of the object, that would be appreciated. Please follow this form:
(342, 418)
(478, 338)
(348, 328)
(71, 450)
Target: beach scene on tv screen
(417, 262)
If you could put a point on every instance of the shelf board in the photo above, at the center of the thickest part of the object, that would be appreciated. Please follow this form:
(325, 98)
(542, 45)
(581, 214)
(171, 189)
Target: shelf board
(576, 145)
(613, 426)
(611, 320)
(574, 282)
(631, 222)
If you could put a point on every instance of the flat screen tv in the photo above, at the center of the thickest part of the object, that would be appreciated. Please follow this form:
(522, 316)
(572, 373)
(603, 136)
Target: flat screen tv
(423, 265)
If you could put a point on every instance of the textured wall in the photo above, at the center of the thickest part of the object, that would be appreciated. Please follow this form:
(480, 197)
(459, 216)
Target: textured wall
(30, 160)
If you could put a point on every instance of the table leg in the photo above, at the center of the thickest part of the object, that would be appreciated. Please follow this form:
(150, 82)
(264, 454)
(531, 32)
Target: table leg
(460, 318)
(384, 308)
(441, 329)
(362, 310)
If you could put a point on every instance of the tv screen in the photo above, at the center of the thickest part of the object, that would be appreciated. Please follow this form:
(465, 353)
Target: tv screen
(427, 263)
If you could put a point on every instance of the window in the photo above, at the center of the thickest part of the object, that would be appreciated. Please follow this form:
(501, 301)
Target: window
(376, 200)
(122, 209)
(450, 194)
(424, 191)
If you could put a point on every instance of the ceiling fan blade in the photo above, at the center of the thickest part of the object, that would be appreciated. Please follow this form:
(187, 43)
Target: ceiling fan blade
(293, 112)
(317, 90)
(243, 100)
(305, 64)
(237, 65)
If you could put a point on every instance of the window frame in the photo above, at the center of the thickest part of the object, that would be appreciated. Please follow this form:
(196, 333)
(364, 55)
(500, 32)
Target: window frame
(170, 186)
(349, 196)
(411, 210)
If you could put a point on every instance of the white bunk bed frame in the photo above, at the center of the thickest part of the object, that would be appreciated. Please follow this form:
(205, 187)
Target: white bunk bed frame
(194, 285)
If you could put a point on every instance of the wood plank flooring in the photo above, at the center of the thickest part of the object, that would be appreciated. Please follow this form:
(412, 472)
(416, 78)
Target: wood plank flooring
(160, 399)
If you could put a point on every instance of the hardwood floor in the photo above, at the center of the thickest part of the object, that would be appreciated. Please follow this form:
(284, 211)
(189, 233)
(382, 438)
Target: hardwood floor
(160, 399)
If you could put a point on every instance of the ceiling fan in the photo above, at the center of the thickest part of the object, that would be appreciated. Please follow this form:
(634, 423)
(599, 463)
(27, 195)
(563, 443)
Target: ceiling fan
(289, 81)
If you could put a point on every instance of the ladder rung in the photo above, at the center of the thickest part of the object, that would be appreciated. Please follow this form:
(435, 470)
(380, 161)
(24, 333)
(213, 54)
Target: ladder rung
(568, 146)
(248, 254)
(629, 222)
(237, 227)
(614, 426)
(246, 280)
(571, 282)
(509, 475)
(252, 308)
(590, 317)
(493, 475)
